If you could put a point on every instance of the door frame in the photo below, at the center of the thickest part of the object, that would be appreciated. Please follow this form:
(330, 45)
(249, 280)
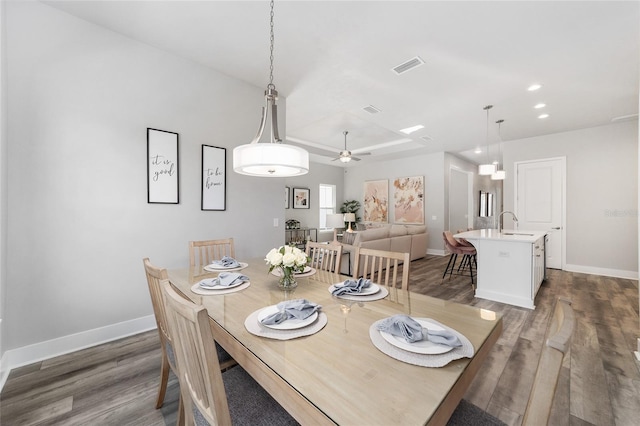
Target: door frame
(563, 205)
(470, 192)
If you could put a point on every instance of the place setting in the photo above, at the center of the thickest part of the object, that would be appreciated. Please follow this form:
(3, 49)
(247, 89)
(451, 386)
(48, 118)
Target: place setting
(287, 320)
(419, 341)
(227, 263)
(361, 290)
(306, 272)
(224, 283)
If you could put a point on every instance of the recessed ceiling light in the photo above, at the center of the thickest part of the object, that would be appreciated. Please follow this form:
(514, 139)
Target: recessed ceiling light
(478, 151)
(534, 87)
(538, 106)
(543, 116)
(410, 130)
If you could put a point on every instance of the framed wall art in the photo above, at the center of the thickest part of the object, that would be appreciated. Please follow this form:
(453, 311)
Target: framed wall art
(408, 197)
(300, 198)
(162, 167)
(214, 178)
(287, 197)
(376, 201)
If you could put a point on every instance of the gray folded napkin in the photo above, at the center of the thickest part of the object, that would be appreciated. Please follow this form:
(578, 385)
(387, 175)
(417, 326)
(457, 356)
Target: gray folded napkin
(298, 309)
(351, 286)
(224, 279)
(226, 262)
(406, 327)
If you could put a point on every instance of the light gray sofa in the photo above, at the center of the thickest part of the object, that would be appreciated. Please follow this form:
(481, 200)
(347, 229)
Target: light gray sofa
(410, 239)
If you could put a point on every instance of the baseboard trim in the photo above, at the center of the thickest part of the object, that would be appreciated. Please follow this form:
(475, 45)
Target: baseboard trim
(615, 273)
(436, 252)
(36, 352)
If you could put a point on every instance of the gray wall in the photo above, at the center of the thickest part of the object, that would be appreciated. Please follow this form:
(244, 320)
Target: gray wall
(79, 224)
(319, 173)
(602, 193)
(430, 166)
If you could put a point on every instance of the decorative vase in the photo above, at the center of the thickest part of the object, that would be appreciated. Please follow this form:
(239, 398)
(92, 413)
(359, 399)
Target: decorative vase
(287, 280)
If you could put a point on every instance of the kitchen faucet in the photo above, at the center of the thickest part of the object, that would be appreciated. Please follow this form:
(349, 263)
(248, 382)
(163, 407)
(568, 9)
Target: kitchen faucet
(515, 219)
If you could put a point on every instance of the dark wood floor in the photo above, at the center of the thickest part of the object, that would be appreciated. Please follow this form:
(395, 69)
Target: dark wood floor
(116, 383)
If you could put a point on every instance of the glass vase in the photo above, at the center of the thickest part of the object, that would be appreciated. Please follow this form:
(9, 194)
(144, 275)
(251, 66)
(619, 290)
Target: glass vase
(287, 280)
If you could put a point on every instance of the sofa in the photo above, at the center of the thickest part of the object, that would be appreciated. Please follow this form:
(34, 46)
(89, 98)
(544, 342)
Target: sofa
(410, 239)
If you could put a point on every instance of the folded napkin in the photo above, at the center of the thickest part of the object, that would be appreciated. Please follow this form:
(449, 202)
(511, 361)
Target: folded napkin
(226, 262)
(225, 279)
(298, 309)
(351, 286)
(406, 327)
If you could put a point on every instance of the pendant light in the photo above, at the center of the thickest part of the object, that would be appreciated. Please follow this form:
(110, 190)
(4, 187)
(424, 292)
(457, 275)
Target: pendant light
(273, 158)
(499, 174)
(487, 168)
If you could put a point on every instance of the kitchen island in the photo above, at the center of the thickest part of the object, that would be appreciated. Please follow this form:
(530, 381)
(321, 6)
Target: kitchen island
(511, 264)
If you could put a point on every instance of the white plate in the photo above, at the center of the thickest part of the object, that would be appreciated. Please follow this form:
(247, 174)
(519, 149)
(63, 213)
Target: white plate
(372, 289)
(218, 287)
(213, 267)
(306, 269)
(420, 347)
(290, 324)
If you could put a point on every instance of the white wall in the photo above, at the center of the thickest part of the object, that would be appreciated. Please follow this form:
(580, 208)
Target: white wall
(3, 175)
(602, 193)
(318, 174)
(81, 98)
(430, 166)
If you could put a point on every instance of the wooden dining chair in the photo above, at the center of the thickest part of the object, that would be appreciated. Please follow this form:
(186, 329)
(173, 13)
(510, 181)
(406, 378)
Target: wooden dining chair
(382, 267)
(202, 253)
(325, 257)
(210, 396)
(154, 276)
(546, 379)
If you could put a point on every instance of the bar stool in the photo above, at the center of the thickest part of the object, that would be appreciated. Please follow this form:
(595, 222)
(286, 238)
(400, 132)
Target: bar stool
(468, 257)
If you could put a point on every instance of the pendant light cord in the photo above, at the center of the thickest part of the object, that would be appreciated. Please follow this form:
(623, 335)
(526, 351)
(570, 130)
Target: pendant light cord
(487, 108)
(270, 85)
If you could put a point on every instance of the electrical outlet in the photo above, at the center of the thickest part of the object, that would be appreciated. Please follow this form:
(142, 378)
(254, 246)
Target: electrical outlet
(275, 222)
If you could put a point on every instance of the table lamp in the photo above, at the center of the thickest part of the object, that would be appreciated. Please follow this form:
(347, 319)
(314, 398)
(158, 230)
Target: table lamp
(349, 217)
(335, 221)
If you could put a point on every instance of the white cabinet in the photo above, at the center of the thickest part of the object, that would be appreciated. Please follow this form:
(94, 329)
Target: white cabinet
(511, 265)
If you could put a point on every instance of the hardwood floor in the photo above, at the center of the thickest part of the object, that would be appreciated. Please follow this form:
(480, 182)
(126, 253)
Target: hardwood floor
(116, 383)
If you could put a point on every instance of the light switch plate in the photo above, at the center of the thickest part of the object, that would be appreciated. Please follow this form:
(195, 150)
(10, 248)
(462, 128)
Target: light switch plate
(275, 222)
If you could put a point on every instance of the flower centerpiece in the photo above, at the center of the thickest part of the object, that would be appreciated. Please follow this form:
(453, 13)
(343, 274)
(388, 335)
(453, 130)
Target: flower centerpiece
(288, 260)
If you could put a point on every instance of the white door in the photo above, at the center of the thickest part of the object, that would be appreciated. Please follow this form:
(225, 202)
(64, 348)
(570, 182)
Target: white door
(540, 203)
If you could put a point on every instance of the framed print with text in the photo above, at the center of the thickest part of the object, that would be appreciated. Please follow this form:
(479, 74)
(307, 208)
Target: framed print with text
(162, 167)
(214, 178)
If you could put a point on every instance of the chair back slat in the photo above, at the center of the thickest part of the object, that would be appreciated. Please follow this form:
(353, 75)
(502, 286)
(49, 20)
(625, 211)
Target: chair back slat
(382, 267)
(202, 253)
(325, 257)
(154, 276)
(200, 378)
(546, 379)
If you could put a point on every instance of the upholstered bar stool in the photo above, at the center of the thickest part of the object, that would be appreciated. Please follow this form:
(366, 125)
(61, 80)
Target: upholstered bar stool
(468, 257)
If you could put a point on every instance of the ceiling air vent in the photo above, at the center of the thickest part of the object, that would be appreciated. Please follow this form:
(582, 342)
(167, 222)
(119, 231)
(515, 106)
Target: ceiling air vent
(426, 138)
(371, 109)
(408, 65)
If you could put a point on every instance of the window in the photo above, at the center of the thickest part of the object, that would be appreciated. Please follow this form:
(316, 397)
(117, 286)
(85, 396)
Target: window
(327, 204)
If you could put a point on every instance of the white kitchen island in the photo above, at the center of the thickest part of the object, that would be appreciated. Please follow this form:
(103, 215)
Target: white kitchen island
(511, 264)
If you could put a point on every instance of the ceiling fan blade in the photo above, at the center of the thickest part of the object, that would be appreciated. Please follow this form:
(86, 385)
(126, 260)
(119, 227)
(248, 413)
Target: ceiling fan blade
(364, 153)
(355, 158)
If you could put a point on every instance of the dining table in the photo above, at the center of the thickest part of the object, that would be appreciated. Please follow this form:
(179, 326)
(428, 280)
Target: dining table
(339, 372)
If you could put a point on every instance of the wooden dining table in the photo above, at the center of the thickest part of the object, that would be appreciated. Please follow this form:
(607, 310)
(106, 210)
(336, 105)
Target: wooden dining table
(337, 375)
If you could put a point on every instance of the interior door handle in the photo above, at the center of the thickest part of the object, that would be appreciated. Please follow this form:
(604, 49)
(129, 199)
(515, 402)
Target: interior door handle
(557, 228)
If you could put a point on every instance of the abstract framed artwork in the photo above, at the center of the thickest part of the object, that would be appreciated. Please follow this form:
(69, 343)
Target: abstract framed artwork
(287, 197)
(162, 167)
(300, 198)
(214, 178)
(376, 201)
(408, 198)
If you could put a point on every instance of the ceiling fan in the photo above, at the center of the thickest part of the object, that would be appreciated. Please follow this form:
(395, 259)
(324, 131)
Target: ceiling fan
(345, 156)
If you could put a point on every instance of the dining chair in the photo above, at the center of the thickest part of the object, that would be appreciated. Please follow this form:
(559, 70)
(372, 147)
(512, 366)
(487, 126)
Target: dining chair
(210, 396)
(325, 257)
(546, 379)
(538, 409)
(154, 276)
(382, 267)
(202, 253)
